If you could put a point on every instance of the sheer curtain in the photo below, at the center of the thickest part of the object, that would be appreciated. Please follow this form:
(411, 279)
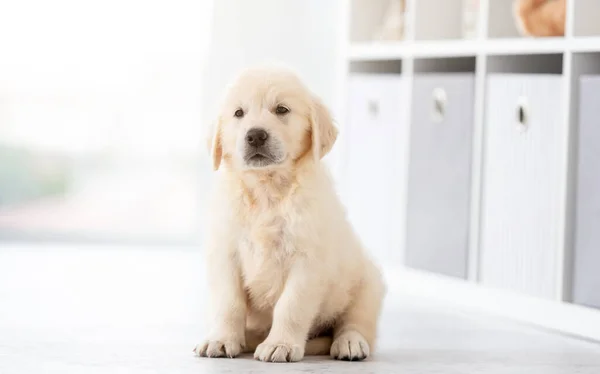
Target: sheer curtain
(100, 118)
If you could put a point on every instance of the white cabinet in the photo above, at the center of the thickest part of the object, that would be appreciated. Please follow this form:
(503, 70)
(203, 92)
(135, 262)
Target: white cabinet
(376, 136)
(520, 217)
(532, 246)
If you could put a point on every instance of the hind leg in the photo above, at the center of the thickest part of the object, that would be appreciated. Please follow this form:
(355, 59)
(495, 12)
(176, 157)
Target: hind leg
(355, 333)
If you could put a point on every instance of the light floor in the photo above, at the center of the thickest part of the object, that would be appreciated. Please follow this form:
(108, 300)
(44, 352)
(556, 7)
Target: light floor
(123, 310)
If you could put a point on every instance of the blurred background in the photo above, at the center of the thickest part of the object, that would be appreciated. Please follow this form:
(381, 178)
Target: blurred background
(100, 119)
(104, 107)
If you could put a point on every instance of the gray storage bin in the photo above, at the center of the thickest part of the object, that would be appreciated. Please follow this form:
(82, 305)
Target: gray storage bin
(587, 238)
(439, 178)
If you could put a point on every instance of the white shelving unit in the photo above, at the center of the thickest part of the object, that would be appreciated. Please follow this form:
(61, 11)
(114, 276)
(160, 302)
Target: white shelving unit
(433, 43)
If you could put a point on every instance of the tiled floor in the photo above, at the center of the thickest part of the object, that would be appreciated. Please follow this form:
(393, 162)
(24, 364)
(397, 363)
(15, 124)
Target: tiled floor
(123, 310)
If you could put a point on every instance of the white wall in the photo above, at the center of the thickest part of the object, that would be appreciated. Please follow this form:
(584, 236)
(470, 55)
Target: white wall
(303, 34)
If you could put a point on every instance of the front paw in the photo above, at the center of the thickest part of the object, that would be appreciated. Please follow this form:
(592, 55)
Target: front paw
(273, 351)
(220, 348)
(350, 346)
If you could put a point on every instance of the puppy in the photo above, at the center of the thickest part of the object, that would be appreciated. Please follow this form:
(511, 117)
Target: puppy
(287, 274)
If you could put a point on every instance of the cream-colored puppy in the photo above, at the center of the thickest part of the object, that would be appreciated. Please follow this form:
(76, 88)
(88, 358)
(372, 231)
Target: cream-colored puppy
(285, 268)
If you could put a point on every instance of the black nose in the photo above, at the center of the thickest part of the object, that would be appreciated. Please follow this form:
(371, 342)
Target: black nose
(256, 137)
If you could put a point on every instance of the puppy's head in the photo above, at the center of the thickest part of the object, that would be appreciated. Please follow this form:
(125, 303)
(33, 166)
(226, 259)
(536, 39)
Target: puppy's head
(269, 119)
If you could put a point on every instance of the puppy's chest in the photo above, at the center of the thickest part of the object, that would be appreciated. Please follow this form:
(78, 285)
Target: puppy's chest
(266, 251)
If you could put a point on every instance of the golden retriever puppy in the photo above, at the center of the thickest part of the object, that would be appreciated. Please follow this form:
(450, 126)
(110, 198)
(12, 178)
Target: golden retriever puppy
(287, 274)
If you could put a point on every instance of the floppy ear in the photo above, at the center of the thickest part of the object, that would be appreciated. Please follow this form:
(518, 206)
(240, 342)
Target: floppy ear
(215, 145)
(323, 132)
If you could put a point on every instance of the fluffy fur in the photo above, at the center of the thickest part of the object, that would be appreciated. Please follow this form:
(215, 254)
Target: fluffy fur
(286, 272)
(541, 17)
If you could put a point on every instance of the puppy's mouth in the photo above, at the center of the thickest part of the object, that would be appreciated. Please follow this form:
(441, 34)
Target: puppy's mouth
(258, 159)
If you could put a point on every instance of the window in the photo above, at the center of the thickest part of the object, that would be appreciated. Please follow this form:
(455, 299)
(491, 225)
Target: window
(100, 119)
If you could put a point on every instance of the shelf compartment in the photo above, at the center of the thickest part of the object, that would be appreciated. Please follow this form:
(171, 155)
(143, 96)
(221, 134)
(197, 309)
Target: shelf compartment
(530, 64)
(501, 20)
(377, 67)
(367, 17)
(585, 18)
(444, 65)
(440, 20)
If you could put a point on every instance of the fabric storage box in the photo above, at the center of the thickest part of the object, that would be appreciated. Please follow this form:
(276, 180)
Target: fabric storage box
(522, 184)
(586, 277)
(439, 178)
(375, 136)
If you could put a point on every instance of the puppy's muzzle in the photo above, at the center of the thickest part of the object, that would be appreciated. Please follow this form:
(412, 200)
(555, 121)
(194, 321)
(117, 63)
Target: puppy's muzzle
(259, 150)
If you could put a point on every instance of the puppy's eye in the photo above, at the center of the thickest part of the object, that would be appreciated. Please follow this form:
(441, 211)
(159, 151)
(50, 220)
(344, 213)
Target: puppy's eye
(239, 113)
(281, 109)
